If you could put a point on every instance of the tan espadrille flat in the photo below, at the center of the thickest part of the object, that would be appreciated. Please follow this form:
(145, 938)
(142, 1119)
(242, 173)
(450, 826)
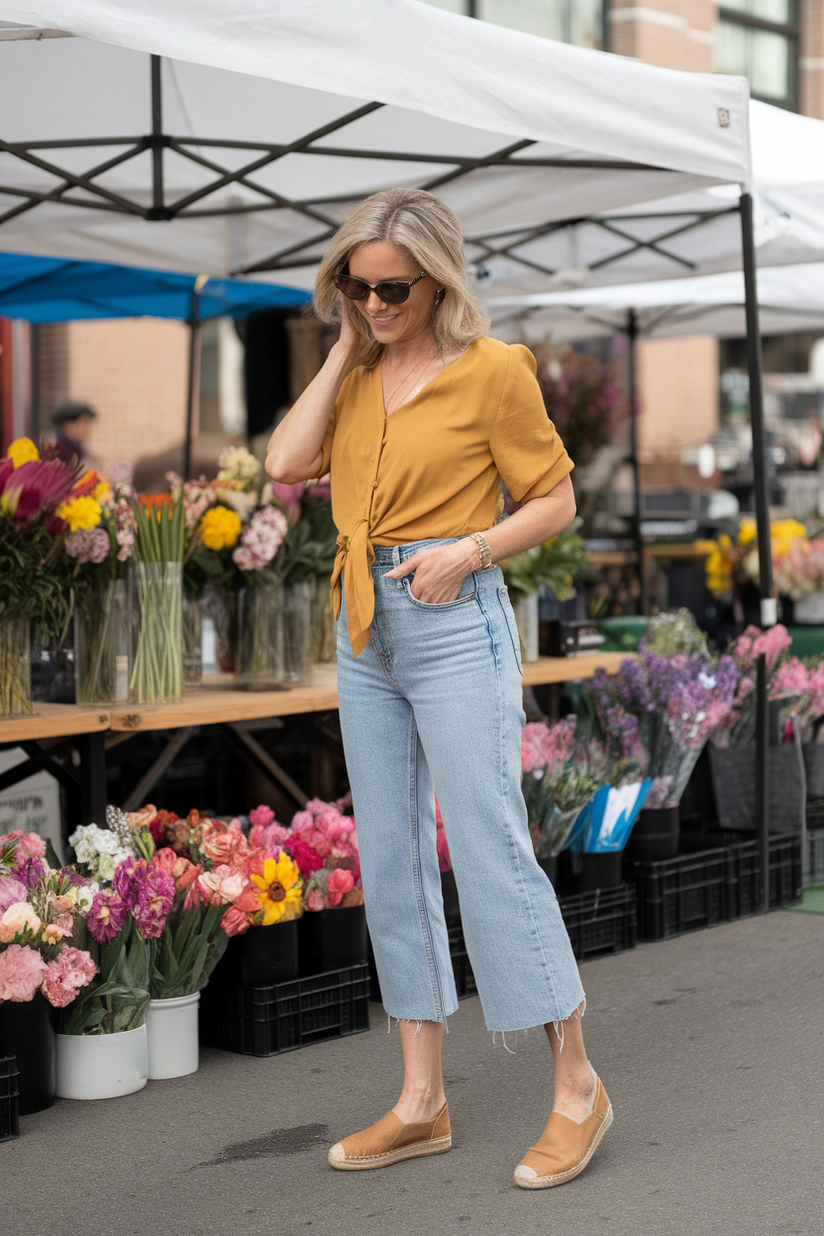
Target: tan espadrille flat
(565, 1147)
(390, 1141)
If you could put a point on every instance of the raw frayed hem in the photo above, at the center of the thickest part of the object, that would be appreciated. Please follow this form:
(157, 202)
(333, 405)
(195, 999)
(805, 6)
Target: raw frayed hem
(558, 1026)
(418, 1023)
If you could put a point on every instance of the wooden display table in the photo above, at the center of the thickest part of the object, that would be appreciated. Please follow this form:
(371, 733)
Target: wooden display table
(217, 702)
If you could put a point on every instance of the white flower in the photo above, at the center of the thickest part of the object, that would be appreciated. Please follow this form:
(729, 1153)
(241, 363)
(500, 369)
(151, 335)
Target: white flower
(237, 464)
(241, 503)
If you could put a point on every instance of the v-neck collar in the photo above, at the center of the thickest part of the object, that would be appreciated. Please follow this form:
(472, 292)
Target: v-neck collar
(378, 371)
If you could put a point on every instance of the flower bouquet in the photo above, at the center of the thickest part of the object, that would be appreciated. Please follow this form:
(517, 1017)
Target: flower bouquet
(35, 495)
(556, 786)
(100, 542)
(323, 842)
(732, 747)
(38, 906)
(675, 702)
(227, 887)
(41, 968)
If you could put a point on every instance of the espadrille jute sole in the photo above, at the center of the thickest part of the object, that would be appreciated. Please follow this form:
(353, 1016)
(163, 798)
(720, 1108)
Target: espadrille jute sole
(526, 1181)
(362, 1163)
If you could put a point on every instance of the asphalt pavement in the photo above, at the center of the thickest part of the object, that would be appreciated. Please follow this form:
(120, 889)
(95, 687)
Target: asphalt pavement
(710, 1046)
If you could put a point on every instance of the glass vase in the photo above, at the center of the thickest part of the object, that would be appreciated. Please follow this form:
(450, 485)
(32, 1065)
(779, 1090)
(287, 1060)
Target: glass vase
(297, 633)
(102, 640)
(15, 667)
(157, 673)
(192, 646)
(324, 639)
(259, 664)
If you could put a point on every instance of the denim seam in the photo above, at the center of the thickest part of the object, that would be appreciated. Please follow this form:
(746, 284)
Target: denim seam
(426, 930)
(434, 607)
(535, 932)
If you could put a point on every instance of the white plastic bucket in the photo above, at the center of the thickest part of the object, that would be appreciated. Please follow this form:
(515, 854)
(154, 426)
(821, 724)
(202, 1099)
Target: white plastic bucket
(172, 1032)
(101, 1066)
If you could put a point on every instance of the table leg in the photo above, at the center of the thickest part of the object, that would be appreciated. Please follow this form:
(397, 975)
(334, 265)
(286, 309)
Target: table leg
(92, 750)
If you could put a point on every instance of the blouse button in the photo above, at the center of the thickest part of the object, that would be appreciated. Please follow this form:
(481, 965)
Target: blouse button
(374, 484)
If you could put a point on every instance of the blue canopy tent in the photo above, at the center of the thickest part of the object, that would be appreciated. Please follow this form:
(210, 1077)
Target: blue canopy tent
(44, 289)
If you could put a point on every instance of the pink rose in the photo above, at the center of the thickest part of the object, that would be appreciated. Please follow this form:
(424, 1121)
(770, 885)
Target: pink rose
(315, 900)
(21, 972)
(18, 918)
(11, 891)
(235, 922)
(339, 882)
(29, 845)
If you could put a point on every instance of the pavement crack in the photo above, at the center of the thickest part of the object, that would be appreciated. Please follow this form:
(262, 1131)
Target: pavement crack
(278, 1142)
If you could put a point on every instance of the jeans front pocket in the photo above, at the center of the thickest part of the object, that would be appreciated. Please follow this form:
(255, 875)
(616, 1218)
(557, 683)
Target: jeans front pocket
(509, 615)
(468, 593)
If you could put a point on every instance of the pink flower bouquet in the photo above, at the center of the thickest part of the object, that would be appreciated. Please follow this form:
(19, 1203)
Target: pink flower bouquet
(37, 910)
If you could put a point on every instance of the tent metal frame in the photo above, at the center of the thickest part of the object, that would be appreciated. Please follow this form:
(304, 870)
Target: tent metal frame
(98, 197)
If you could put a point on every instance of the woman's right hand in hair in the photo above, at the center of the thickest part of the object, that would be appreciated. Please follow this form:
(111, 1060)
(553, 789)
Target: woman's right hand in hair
(351, 342)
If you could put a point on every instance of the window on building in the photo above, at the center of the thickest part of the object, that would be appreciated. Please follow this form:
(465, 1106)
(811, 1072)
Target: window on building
(569, 21)
(758, 39)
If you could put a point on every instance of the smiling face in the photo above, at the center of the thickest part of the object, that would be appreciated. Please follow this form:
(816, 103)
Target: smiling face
(381, 260)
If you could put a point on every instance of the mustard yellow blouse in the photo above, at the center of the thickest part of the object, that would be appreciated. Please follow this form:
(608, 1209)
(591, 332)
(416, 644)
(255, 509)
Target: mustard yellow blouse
(433, 468)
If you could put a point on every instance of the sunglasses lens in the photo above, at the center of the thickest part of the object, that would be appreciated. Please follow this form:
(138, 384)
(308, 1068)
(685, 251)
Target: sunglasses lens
(393, 293)
(355, 289)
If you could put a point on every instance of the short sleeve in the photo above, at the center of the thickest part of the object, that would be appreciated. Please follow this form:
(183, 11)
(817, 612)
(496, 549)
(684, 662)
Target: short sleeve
(525, 445)
(329, 436)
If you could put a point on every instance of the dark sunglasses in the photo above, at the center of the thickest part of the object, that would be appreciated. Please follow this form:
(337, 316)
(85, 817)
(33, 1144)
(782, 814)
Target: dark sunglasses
(390, 291)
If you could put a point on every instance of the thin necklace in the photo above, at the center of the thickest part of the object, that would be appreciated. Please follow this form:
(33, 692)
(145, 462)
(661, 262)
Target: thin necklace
(412, 374)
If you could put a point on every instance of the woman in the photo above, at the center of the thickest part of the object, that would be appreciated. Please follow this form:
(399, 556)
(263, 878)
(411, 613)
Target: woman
(418, 415)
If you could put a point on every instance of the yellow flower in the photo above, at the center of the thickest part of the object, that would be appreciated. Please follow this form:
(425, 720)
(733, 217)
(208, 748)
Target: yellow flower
(83, 512)
(220, 528)
(281, 889)
(102, 491)
(747, 531)
(21, 451)
(784, 533)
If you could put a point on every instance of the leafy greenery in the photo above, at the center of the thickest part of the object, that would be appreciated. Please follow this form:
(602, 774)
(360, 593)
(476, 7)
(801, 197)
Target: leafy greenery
(34, 575)
(556, 564)
(310, 545)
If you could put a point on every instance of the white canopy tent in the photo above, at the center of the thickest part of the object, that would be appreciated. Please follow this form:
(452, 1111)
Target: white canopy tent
(262, 123)
(790, 298)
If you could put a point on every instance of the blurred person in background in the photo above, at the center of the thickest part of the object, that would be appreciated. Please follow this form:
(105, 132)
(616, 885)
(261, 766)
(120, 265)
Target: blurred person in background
(73, 422)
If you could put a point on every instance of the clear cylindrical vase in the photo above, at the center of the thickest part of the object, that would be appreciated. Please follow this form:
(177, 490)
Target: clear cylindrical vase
(192, 646)
(259, 662)
(157, 673)
(297, 632)
(102, 640)
(15, 667)
(323, 621)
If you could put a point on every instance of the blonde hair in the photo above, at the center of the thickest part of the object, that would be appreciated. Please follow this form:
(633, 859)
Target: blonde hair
(426, 227)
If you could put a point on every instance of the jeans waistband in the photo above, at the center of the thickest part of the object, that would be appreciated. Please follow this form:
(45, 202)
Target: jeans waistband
(385, 555)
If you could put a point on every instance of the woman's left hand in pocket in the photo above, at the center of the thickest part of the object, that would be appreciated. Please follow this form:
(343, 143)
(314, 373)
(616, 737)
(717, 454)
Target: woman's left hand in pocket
(439, 572)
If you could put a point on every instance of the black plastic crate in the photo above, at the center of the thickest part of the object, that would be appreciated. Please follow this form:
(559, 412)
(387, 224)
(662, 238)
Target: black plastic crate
(464, 978)
(785, 874)
(681, 894)
(264, 1021)
(601, 921)
(815, 858)
(9, 1118)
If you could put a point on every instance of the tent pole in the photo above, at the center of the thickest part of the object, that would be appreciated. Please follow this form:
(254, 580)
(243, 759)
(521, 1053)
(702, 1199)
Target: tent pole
(762, 515)
(193, 384)
(157, 140)
(632, 336)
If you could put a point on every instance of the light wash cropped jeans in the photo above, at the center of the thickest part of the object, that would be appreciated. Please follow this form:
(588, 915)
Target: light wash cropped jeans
(433, 704)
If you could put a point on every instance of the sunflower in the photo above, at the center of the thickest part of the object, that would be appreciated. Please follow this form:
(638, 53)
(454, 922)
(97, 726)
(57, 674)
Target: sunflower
(280, 890)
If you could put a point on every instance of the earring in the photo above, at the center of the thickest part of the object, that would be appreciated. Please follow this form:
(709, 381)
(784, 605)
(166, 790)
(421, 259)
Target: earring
(441, 293)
